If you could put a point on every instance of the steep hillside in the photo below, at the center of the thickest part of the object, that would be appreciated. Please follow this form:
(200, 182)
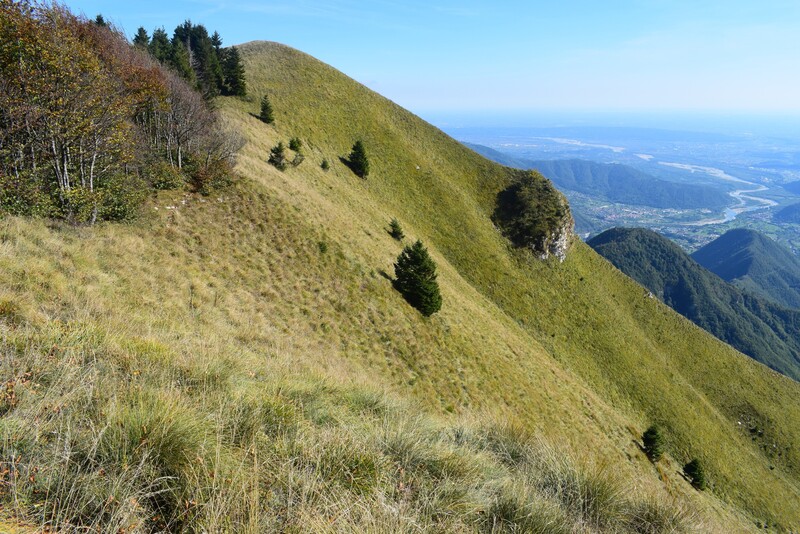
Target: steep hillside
(615, 182)
(582, 314)
(221, 363)
(626, 185)
(792, 187)
(765, 331)
(752, 261)
(789, 214)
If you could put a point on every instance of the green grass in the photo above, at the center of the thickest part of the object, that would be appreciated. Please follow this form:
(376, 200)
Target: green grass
(211, 367)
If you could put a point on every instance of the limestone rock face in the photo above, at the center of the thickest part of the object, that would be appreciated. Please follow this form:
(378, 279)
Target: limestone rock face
(558, 242)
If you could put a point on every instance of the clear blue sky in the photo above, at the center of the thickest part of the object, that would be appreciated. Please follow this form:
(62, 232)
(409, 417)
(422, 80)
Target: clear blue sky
(443, 56)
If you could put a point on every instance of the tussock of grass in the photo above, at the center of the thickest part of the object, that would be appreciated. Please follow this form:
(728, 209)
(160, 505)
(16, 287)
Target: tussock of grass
(86, 446)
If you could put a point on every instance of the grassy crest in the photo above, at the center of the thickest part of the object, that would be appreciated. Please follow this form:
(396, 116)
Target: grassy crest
(234, 362)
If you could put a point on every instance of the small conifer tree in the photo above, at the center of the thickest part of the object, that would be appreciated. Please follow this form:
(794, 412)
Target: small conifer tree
(395, 230)
(277, 156)
(416, 279)
(266, 115)
(325, 165)
(358, 160)
(295, 144)
(141, 39)
(653, 443)
(694, 470)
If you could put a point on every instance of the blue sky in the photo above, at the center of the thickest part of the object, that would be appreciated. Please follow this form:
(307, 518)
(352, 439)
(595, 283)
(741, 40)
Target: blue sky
(578, 55)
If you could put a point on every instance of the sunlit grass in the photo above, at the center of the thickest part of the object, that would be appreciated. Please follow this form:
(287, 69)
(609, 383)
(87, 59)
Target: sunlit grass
(225, 373)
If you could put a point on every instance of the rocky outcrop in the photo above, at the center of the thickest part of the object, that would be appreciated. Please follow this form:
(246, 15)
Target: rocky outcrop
(532, 213)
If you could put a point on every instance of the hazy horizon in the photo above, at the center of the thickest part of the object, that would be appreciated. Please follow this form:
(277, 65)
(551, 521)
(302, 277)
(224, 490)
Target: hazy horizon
(625, 56)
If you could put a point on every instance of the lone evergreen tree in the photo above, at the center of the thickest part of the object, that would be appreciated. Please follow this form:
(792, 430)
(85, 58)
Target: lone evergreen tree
(267, 114)
(395, 230)
(697, 476)
(295, 144)
(358, 160)
(653, 443)
(277, 156)
(416, 279)
(325, 165)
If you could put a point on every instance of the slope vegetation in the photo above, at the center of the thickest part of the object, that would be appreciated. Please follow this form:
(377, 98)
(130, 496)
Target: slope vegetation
(615, 182)
(234, 362)
(788, 214)
(767, 332)
(754, 262)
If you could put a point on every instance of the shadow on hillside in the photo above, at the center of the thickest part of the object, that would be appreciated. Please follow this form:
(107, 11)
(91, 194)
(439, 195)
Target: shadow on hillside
(385, 275)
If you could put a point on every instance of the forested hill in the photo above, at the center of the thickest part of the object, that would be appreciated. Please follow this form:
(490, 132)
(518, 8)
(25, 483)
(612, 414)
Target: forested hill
(763, 330)
(614, 182)
(788, 214)
(626, 185)
(754, 262)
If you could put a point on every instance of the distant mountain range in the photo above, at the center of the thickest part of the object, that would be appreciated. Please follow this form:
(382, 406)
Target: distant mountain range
(615, 182)
(755, 326)
(754, 262)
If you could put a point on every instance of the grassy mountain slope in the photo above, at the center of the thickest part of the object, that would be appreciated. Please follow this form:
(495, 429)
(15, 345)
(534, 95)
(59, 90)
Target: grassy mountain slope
(765, 331)
(754, 262)
(231, 350)
(587, 318)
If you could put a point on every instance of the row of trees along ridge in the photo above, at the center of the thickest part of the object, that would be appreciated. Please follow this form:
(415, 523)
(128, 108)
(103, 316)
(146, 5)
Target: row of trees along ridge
(88, 123)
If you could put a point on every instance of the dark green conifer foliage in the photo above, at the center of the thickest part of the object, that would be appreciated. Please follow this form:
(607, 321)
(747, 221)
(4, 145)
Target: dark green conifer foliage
(181, 61)
(697, 476)
(416, 279)
(233, 72)
(266, 115)
(216, 42)
(277, 156)
(653, 442)
(160, 46)
(358, 160)
(395, 230)
(100, 20)
(141, 39)
(295, 144)
(325, 165)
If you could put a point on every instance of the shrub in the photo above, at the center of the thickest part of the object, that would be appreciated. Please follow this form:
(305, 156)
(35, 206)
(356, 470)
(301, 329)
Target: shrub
(267, 115)
(295, 144)
(395, 230)
(277, 156)
(122, 197)
(416, 279)
(696, 474)
(653, 442)
(325, 165)
(164, 176)
(358, 161)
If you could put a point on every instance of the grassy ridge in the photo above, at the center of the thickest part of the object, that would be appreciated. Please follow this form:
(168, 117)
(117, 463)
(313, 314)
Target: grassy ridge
(601, 328)
(228, 364)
